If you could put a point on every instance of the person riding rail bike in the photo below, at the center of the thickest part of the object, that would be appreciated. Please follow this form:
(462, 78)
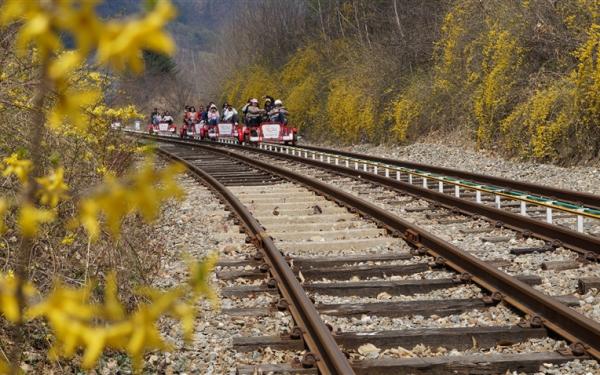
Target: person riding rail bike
(254, 113)
(213, 115)
(230, 114)
(278, 113)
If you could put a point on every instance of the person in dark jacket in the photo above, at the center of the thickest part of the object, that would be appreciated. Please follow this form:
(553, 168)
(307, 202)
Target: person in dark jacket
(269, 103)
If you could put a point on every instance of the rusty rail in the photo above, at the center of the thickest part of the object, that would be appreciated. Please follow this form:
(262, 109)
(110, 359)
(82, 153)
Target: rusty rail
(329, 359)
(566, 322)
(573, 196)
(582, 243)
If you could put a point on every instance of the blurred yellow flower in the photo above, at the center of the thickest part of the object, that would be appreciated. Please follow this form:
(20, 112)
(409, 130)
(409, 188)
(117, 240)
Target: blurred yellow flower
(52, 188)
(18, 167)
(70, 107)
(121, 44)
(31, 217)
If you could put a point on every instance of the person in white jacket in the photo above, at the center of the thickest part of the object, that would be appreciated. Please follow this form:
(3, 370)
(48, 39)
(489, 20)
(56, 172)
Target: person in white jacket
(213, 115)
(230, 114)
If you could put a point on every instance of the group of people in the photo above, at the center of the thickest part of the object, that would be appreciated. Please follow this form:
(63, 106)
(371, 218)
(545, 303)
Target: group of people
(157, 117)
(273, 110)
(252, 113)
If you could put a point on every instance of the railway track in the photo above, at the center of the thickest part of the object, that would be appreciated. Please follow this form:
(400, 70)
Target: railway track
(463, 312)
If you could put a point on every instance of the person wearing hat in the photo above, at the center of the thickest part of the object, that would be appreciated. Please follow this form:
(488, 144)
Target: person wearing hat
(268, 103)
(213, 115)
(254, 113)
(278, 113)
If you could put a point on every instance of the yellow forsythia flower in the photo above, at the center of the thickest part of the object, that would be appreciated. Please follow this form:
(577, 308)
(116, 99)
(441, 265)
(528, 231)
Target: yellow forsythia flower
(9, 305)
(68, 239)
(31, 217)
(18, 167)
(120, 45)
(52, 188)
(70, 106)
(199, 277)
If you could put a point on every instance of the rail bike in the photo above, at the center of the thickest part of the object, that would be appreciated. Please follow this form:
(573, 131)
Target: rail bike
(272, 132)
(192, 130)
(162, 128)
(230, 131)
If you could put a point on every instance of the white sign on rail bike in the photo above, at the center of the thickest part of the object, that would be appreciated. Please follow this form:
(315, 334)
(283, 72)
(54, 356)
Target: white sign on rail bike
(163, 127)
(197, 128)
(225, 129)
(271, 131)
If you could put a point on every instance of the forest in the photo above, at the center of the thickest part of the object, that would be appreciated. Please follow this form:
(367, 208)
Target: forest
(520, 78)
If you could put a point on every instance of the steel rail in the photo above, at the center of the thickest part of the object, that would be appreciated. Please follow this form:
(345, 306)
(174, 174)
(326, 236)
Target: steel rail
(573, 196)
(557, 317)
(499, 192)
(318, 338)
(586, 245)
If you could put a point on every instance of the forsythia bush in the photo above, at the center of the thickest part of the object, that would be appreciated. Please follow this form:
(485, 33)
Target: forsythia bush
(350, 112)
(67, 102)
(519, 76)
(499, 70)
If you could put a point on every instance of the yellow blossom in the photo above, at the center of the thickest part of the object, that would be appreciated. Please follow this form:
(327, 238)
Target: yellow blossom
(121, 44)
(18, 167)
(9, 304)
(52, 188)
(68, 239)
(70, 107)
(65, 64)
(31, 217)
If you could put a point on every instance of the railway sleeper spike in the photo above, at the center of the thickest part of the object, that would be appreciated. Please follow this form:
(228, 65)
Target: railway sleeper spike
(498, 224)
(272, 283)
(296, 333)
(578, 349)
(591, 256)
(258, 256)
(412, 236)
(466, 277)
(438, 262)
(309, 360)
(282, 304)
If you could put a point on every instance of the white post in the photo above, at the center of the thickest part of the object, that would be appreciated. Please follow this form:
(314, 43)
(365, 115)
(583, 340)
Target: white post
(398, 175)
(579, 223)
(337, 161)
(477, 196)
(549, 215)
(441, 186)
(498, 202)
(375, 169)
(365, 167)
(287, 150)
(387, 172)
(425, 182)
(328, 159)
(355, 165)
(347, 163)
(410, 178)
(457, 191)
(523, 208)
(314, 155)
(321, 158)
